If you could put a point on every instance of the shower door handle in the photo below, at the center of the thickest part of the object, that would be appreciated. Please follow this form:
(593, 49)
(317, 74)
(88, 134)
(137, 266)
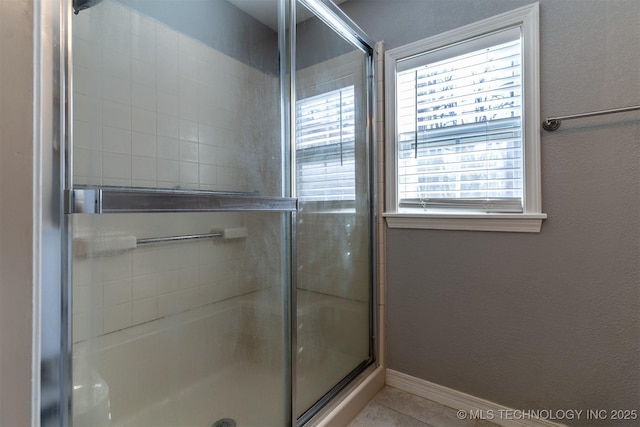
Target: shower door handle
(102, 200)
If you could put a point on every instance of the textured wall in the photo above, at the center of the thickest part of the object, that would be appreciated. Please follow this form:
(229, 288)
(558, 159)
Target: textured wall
(16, 204)
(550, 320)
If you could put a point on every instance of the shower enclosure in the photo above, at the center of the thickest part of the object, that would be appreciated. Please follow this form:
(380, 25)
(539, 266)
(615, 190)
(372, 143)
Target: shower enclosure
(218, 213)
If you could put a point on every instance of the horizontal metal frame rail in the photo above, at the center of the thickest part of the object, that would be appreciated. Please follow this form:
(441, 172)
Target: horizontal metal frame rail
(103, 200)
(553, 123)
(153, 240)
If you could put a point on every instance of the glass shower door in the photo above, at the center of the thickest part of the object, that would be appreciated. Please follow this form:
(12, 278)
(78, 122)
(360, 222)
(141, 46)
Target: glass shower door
(333, 228)
(180, 231)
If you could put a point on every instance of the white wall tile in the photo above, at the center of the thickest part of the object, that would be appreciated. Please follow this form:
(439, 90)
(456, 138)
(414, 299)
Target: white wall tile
(168, 148)
(206, 134)
(145, 261)
(116, 88)
(207, 174)
(116, 140)
(142, 24)
(208, 294)
(85, 272)
(115, 114)
(143, 71)
(87, 109)
(86, 54)
(143, 169)
(168, 281)
(86, 136)
(116, 267)
(188, 67)
(81, 299)
(188, 277)
(144, 121)
(89, 28)
(188, 151)
(168, 172)
(168, 126)
(143, 96)
(86, 81)
(143, 144)
(187, 46)
(117, 317)
(144, 287)
(87, 163)
(188, 254)
(188, 96)
(144, 310)
(207, 113)
(189, 173)
(168, 304)
(167, 72)
(168, 102)
(167, 39)
(117, 292)
(168, 257)
(189, 298)
(207, 155)
(119, 36)
(80, 326)
(143, 46)
(113, 12)
(115, 63)
(144, 183)
(207, 273)
(188, 130)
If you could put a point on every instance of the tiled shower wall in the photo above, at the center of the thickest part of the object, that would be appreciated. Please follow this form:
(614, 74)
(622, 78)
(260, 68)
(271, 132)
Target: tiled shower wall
(113, 291)
(155, 108)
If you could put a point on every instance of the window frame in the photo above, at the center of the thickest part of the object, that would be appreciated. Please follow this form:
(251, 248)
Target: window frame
(530, 220)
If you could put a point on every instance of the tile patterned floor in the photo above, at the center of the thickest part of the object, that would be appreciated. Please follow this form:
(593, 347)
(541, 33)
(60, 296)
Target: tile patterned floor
(395, 408)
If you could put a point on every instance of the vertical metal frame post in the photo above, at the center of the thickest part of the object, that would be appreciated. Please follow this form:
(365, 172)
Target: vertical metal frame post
(333, 16)
(52, 322)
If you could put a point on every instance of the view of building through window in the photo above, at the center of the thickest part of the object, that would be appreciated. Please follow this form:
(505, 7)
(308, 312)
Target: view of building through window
(459, 130)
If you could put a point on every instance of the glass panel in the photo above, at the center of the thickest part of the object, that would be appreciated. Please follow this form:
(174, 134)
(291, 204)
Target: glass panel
(333, 223)
(179, 95)
(176, 94)
(179, 333)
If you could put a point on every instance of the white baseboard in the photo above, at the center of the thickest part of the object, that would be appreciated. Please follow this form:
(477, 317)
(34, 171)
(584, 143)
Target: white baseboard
(473, 407)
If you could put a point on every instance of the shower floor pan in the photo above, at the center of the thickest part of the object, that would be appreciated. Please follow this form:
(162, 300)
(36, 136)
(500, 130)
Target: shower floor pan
(220, 361)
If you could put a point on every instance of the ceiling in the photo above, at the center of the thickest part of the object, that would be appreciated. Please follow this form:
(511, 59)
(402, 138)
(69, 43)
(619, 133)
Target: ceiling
(264, 10)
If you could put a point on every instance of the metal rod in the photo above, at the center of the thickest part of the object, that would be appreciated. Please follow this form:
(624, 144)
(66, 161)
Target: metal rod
(553, 123)
(152, 240)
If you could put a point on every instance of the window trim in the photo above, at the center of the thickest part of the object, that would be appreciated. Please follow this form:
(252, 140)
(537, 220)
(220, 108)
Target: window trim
(530, 220)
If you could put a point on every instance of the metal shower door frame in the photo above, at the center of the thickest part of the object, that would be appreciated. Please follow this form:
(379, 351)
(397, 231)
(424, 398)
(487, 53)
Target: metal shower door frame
(336, 19)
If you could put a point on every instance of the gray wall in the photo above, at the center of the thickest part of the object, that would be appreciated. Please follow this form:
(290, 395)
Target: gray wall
(16, 205)
(547, 320)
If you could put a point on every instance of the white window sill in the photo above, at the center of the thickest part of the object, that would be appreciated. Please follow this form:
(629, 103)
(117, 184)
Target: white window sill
(515, 223)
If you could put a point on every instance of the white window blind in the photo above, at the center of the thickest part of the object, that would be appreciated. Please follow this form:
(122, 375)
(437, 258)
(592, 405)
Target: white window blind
(459, 126)
(325, 146)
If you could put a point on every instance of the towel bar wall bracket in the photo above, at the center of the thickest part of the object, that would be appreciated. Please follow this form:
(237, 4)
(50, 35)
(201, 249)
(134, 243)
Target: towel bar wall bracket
(553, 123)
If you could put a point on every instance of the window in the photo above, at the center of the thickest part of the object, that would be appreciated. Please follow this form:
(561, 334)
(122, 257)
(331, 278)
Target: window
(325, 147)
(462, 118)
